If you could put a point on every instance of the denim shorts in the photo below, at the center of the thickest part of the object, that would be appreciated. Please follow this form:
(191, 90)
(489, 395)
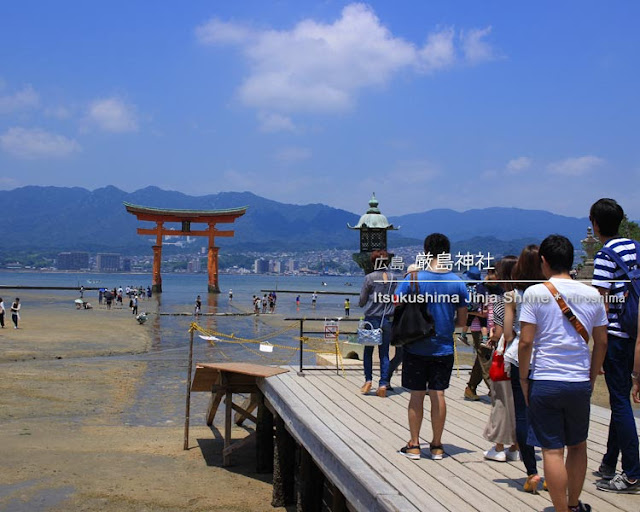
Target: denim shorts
(558, 413)
(426, 372)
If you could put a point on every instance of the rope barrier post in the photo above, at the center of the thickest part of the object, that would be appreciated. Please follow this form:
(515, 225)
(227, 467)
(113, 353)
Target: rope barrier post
(188, 406)
(300, 373)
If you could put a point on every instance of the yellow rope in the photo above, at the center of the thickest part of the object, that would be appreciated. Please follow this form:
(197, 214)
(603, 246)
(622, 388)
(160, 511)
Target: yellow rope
(232, 338)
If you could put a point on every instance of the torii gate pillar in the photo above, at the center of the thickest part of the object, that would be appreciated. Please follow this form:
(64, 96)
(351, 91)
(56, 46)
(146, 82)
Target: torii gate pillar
(156, 280)
(212, 269)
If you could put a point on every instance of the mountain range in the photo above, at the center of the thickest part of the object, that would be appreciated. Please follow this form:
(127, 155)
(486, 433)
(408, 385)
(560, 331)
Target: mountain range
(60, 218)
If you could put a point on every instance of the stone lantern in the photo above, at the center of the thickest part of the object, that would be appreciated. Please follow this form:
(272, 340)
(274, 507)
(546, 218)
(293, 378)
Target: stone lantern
(373, 227)
(590, 246)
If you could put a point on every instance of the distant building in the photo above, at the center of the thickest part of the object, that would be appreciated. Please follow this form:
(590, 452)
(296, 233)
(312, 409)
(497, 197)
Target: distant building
(194, 265)
(108, 262)
(278, 267)
(126, 264)
(260, 266)
(291, 265)
(73, 261)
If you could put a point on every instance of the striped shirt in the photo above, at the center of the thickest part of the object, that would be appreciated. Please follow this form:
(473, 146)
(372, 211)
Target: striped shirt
(497, 301)
(605, 271)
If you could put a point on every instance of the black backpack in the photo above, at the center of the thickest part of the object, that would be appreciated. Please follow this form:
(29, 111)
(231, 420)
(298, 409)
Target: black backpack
(411, 319)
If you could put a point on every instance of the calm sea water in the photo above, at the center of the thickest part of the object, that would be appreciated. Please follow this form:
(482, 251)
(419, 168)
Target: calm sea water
(179, 295)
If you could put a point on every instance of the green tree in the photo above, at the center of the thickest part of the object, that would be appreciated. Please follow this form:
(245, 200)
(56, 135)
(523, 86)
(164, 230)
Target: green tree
(630, 229)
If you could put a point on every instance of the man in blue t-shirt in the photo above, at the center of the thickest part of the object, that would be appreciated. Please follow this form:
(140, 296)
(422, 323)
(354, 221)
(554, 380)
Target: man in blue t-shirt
(427, 363)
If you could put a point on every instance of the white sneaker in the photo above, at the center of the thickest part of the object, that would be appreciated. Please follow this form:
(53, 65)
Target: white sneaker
(493, 454)
(513, 456)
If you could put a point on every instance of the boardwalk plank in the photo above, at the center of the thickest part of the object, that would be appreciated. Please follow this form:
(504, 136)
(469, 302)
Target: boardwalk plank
(603, 501)
(336, 460)
(375, 428)
(324, 404)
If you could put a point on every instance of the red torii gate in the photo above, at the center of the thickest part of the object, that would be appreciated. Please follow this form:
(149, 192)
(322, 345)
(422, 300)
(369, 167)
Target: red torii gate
(185, 217)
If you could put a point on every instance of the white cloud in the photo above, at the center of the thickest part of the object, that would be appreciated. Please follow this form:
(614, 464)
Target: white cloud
(293, 154)
(36, 143)
(23, 99)
(519, 164)
(319, 67)
(474, 46)
(271, 122)
(439, 51)
(113, 115)
(577, 166)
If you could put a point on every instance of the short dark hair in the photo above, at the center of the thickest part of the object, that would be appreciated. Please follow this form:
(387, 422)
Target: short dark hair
(558, 251)
(608, 215)
(437, 243)
(527, 269)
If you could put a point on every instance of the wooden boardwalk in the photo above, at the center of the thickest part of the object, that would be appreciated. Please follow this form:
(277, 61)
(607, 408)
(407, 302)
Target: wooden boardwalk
(354, 440)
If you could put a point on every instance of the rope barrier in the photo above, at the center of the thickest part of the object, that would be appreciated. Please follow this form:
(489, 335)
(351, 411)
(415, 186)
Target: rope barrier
(233, 339)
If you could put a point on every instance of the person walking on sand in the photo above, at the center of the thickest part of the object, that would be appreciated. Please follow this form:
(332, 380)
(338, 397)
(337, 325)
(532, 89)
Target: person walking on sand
(230, 294)
(134, 309)
(427, 362)
(198, 305)
(2, 311)
(15, 312)
(347, 307)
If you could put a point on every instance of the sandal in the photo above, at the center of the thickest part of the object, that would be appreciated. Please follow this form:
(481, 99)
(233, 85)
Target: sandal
(531, 484)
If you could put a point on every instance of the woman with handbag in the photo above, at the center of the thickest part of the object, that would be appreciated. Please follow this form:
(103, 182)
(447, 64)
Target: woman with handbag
(525, 273)
(375, 297)
(501, 427)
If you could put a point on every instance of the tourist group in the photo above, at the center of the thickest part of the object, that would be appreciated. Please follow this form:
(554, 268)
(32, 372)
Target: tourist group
(531, 338)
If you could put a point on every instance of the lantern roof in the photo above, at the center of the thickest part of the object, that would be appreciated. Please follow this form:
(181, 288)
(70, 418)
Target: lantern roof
(373, 219)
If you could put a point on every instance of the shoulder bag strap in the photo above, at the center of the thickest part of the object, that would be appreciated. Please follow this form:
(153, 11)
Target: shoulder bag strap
(567, 312)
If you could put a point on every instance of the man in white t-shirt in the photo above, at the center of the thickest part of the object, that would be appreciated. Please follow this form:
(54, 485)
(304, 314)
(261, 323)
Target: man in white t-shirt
(561, 374)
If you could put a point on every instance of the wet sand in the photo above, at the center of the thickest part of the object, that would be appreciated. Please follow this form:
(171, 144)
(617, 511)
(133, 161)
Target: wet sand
(69, 440)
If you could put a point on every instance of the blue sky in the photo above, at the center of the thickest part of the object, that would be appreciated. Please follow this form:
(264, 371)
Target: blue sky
(431, 104)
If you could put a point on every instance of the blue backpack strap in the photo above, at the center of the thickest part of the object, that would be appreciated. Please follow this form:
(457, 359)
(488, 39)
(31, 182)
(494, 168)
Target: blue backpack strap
(632, 275)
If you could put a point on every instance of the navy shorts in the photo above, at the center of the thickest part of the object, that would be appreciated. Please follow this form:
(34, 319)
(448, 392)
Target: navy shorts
(420, 373)
(558, 413)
